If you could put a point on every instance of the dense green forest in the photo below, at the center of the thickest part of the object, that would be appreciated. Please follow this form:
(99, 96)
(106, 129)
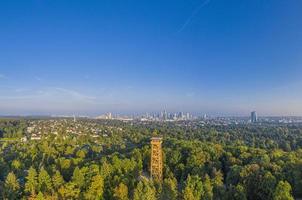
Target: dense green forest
(236, 162)
(12, 128)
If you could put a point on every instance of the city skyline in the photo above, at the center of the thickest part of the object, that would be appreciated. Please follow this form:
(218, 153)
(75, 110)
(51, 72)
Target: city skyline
(88, 58)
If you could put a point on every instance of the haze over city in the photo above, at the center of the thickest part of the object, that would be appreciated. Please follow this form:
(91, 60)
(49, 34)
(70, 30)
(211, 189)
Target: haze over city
(215, 57)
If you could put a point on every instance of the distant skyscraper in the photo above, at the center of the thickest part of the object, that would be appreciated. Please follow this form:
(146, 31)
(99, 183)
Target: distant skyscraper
(165, 115)
(109, 116)
(188, 116)
(254, 117)
(180, 115)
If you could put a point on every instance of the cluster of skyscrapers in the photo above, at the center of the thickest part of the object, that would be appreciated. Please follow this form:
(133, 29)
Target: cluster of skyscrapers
(164, 116)
(161, 116)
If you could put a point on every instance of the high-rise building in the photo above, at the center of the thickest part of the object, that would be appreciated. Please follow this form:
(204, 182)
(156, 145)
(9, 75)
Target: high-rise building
(180, 115)
(161, 116)
(156, 159)
(165, 115)
(188, 117)
(175, 116)
(254, 117)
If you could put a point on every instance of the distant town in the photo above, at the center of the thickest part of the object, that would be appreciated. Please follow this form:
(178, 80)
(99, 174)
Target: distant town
(79, 126)
(165, 116)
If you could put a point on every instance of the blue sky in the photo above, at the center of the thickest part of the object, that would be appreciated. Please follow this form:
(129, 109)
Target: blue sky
(203, 56)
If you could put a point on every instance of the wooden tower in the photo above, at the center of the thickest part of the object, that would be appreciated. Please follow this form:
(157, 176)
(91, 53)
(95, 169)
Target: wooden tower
(156, 159)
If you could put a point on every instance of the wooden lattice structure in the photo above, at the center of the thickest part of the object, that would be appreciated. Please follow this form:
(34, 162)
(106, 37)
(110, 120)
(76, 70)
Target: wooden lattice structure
(156, 159)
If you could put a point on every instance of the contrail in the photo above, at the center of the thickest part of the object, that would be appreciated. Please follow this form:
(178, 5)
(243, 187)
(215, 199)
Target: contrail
(195, 12)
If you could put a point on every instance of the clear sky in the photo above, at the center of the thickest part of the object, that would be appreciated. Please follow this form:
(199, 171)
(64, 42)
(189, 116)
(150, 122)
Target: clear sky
(204, 56)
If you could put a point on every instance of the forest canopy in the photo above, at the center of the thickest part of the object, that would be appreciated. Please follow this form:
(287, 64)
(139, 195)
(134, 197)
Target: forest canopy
(100, 159)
